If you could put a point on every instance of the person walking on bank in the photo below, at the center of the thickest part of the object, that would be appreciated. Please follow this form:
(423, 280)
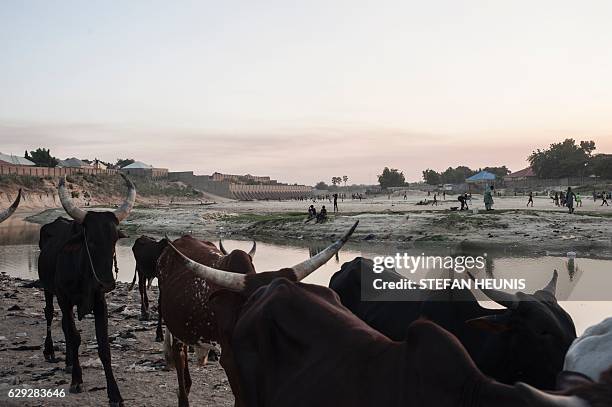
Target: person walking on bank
(578, 199)
(335, 202)
(569, 199)
(435, 201)
(530, 201)
(604, 198)
(488, 197)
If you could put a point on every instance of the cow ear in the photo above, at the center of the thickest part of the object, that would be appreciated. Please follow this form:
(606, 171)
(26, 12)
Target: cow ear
(122, 234)
(490, 323)
(567, 380)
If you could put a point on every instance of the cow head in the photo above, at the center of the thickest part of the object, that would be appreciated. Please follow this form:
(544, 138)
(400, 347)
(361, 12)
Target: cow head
(537, 326)
(251, 252)
(225, 275)
(100, 232)
(4, 215)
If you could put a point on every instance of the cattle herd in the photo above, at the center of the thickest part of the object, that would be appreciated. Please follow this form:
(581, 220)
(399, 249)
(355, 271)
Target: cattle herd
(287, 343)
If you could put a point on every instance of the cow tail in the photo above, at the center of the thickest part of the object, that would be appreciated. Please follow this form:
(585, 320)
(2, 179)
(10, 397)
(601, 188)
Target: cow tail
(168, 349)
(134, 279)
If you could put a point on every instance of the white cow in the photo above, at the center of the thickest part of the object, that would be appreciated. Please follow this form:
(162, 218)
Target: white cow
(591, 353)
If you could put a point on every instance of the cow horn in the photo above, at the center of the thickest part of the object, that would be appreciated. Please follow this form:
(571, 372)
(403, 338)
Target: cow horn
(303, 269)
(510, 301)
(538, 397)
(11, 209)
(124, 210)
(222, 278)
(253, 249)
(71, 209)
(251, 252)
(551, 287)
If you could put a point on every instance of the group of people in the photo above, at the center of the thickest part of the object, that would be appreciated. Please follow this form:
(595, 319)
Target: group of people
(319, 217)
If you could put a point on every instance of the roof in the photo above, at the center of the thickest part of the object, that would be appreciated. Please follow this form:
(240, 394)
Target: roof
(72, 163)
(13, 159)
(136, 164)
(525, 172)
(481, 176)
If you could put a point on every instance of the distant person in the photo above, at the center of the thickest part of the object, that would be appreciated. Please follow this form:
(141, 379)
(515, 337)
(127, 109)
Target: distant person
(488, 197)
(435, 201)
(462, 198)
(335, 202)
(312, 212)
(604, 198)
(530, 201)
(594, 196)
(405, 196)
(578, 199)
(322, 216)
(444, 195)
(570, 197)
(556, 199)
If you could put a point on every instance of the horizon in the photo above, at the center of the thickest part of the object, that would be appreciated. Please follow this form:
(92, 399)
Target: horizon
(305, 92)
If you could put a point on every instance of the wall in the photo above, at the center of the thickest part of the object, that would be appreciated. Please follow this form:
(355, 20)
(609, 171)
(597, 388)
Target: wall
(49, 172)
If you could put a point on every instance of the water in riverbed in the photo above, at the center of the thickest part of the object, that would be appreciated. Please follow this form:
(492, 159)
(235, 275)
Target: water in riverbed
(19, 253)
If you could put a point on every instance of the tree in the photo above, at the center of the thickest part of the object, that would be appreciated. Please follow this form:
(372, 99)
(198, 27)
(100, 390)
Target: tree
(336, 180)
(431, 177)
(321, 185)
(560, 160)
(345, 178)
(42, 158)
(500, 172)
(122, 162)
(391, 178)
(601, 166)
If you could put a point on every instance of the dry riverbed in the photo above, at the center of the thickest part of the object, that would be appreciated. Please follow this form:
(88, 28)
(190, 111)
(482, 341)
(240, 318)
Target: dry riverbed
(137, 360)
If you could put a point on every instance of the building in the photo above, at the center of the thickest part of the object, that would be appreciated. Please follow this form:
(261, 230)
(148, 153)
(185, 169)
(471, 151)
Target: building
(72, 163)
(521, 175)
(242, 187)
(138, 168)
(6, 159)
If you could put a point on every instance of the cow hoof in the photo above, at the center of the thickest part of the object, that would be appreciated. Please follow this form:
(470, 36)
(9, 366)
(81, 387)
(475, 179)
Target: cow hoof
(159, 338)
(116, 403)
(51, 358)
(76, 388)
(144, 316)
(68, 369)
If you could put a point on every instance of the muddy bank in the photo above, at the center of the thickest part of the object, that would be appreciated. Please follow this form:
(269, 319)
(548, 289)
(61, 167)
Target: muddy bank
(510, 227)
(137, 359)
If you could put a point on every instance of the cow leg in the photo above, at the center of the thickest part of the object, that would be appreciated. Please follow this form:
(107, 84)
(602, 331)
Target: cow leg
(73, 341)
(146, 300)
(48, 352)
(186, 373)
(101, 317)
(179, 354)
(159, 333)
(142, 288)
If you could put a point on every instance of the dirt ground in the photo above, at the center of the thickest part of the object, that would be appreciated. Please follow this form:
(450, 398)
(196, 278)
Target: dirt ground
(137, 360)
(543, 228)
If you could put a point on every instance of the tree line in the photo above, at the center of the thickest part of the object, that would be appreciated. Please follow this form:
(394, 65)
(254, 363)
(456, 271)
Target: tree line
(41, 157)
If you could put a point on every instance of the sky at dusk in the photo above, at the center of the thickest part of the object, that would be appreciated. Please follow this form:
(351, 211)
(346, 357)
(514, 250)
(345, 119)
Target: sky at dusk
(304, 92)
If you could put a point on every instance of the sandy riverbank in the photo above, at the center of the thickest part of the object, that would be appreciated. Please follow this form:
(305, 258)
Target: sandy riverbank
(511, 226)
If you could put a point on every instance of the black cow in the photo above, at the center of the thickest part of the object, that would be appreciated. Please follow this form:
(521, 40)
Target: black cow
(296, 345)
(76, 265)
(526, 341)
(146, 252)
(5, 214)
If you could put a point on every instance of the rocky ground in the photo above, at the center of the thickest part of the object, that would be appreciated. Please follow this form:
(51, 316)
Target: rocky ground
(137, 360)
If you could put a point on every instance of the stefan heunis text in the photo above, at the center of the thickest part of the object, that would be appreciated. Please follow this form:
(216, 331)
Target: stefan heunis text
(449, 283)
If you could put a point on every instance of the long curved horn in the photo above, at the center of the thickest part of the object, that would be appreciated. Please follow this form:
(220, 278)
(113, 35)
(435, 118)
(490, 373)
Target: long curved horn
(303, 269)
(124, 210)
(71, 209)
(251, 252)
(551, 287)
(226, 279)
(510, 301)
(11, 209)
(222, 248)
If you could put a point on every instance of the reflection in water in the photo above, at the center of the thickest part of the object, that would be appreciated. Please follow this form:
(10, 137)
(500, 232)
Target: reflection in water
(19, 254)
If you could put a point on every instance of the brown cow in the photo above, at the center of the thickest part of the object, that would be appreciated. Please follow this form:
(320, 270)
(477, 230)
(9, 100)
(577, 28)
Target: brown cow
(5, 214)
(296, 345)
(196, 308)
